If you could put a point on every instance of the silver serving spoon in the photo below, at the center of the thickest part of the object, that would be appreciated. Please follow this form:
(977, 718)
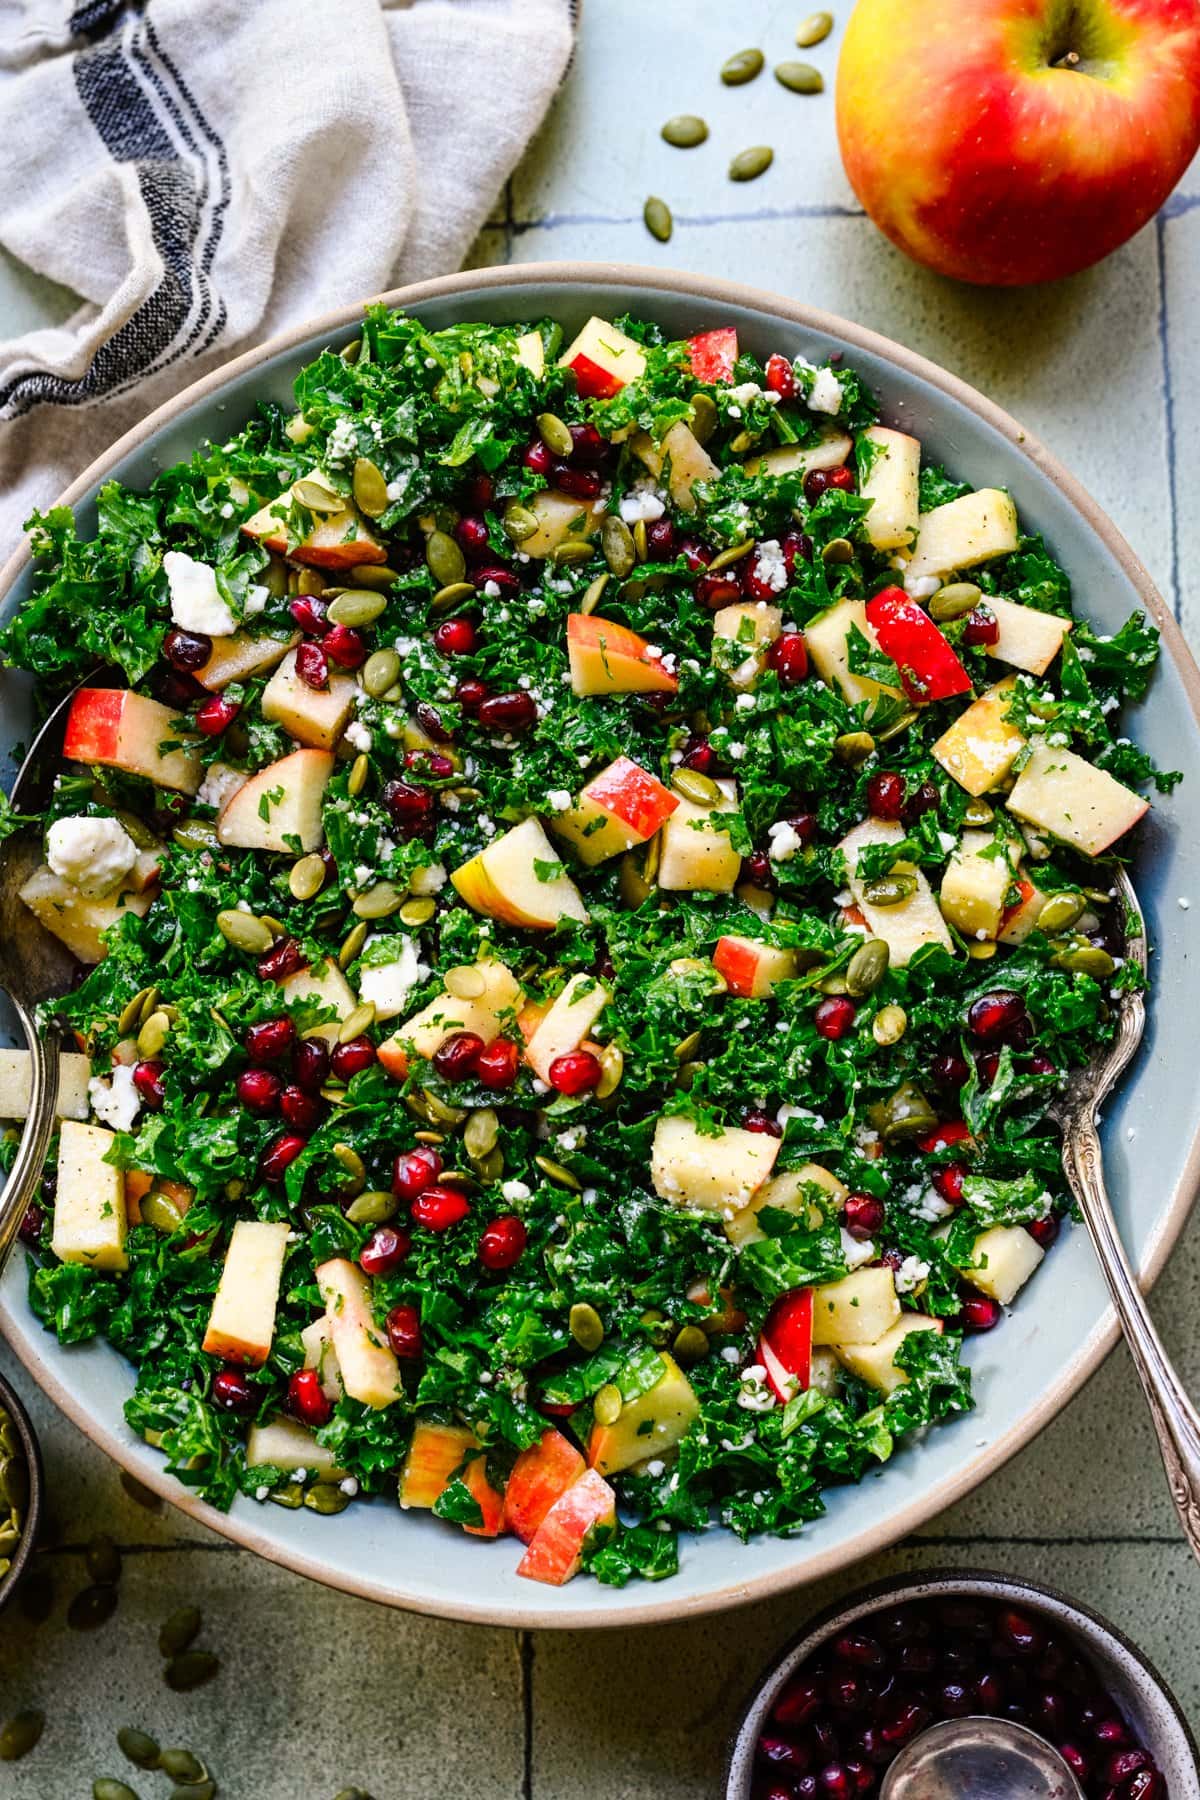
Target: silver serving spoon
(979, 1759)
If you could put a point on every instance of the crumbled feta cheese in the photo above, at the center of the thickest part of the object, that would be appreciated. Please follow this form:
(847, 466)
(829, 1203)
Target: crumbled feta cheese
(92, 854)
(115, 1101)
(428, 881)
(362, 874)
(656, 1468)
(256, 598)
(342, 443)
(911, 1273)
(921, 587)
(262, 1493)
(515, 1190)
(754, 1395)
(348, 1486)
(558, 800)
(491, 590)
(389, 984)
(826, 395)
(745, 703)
(218, 784)
(196, 605)
(731, 1354)
(358, 735)
(770, 567)
(854, 1252)
(783, 841)
(642, 502)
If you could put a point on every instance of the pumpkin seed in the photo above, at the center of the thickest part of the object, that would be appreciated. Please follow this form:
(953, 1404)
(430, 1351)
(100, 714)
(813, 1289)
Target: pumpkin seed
(554, 1171)
(954, 601)
(183, 1765)
(981, 951)
(441, 1112)
(854, 747)
(593, 593)
(418, 912)
(705, 417)
(890, 890)
(177, 1634)
(837, 552)
(370, 489)
(20, 1734)
(195, 834)
(685, 131)
(897, 726)
(726, 558)
(571, 550)
(102, 1560)
(138, 830)
(153, 1035)
(554, 434)
(748, 165)
(317, 498)
(690, 1346)
(612, 1068)
(202, 1790)
(449, 597)
(867, 968)
(616, 541)
(309, 582)
(482, 1133)
(326, 1498)
(290, 1496)
(357, 606)
(889, 1026)
(191, 1670)
(445, 558)
(799, 78)
(374, 575)
(586, 1326)
(742, 67)
(375, 1207)
(813, 30)
(466, 982)
(129, 1018)
(379, 902)
(348, 1159)
(1098, 896)
(244, 931)
(91, 1608)
(355, 1023)
(632, 886)
(641, 545)
(688, 1074)
(138, 1746)
(1088, 959)
(491, 1166)
(745, 440)
(518, 522)
(656, 215)
(702, 790)
(907, 1114)
(687, 1046)
(977, 812)
(351, 352)
(105, 1788)
(606, 1407)
(1060, 912)
(380, 672)
(306, 878)
(658, 1327)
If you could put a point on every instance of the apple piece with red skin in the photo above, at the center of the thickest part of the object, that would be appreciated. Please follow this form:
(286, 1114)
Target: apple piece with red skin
(604, 359)
(434, 1457)
(929, 668)
(119, 729)
(786, 1343)
(289, 792)
(540, 1476)
(713, 354)
(751, 968)
(556, 1548)
(565, 1025)
(607, 658)
(616, 811)
(503, 883)
(1049, 133)
(337, 540)
(490, 1502)
(1019, 919)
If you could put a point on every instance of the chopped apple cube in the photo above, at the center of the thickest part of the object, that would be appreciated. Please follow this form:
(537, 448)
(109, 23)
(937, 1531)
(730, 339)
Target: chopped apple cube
(604, 359)
(982, 745)
(784, 1193)
(89, 1202)
(1029, 639)
(436, 1454)
(964, 533)
(876, 1363)
(1022, 916)
(752, 969)
(74, 1073)
(1062, 793)
(607, 658)
(286, 1444)
(799, 459)
(370, 1372)
(697, 854)
(484, 1013)
(239, 657)
(712, 1174)
(975, 885)
(742, 635)
(540, 1476)
(891, 484)
(319, 1354)
(567, 1023)
(859, 1309)
(489, 1500)
(618, 809)
(519, 880)
(241, 1324)
(828, 641)
(1002, 1260)
(314, 717)
(77, 921)
(324, 982)
(559, 517)
(713, 354)
(280, 807)
(906, 928)
(649, 1425)
(684, 459)
(532, 353)
(119, 729)
(556, 1549)
(336, 540)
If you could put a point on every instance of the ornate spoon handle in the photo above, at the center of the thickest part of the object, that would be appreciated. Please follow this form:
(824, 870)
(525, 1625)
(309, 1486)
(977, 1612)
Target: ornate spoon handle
(39, 1127)
(1176, 1422)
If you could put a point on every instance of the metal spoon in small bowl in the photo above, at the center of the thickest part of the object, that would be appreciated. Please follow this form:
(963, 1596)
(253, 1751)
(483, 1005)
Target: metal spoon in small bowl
(987, 1759)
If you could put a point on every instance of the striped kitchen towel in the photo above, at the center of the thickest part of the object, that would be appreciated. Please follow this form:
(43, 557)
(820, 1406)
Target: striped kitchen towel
(204, 173)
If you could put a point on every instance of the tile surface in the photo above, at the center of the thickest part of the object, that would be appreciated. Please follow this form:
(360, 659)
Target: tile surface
(317, 1690)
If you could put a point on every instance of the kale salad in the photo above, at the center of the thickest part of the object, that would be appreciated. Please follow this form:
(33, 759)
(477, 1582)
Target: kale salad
(588, 867)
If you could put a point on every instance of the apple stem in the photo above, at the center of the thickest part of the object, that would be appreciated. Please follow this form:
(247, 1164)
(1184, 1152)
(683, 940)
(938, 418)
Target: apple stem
(1071, 60)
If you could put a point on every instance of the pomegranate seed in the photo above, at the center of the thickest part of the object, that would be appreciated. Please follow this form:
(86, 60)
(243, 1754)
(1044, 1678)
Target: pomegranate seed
(502, 1243)
(455, 637)
(1024, 1634)
(989, 1692)
(470, 692)
(863, 1216)
(216, 715)
(268, 1041)
(950, 1131)
(187, 651)
(347, 1060)
(1111, 1733)
(1044, 1231)
(346, 646)
(696, 555)
(309, 612)
(1077, 1762)
(835, 1782)
(982, 627)
(862, 1777)
(312, 666)
(472, 533)
(497, 1063)
(438, 1208)
(284, 958)
(757, 868)
(819, 481)
(948, 1181)
(699, 754)
(430, 763)
(516, 711)
(721, 589)
(581, 484)
(303, 1112)
(32, 1223)
(259, 1091)
(796, 546)
(660, 540)
(384, 1250)
(1147, 1784)
(587, 446)
(993, 1018)
(834, 1017)
(430, 721)
(403, 1327)
(804, 825)
(578, 1072)
(279, 1156)
(783, 1753)
(231, 1392)
(987, 1062)
(954, 1699)
(979, 1313)
(917, 1659)
(148, 1080)
(306, 1399)
(757, 584)
(949, 1070)
(481, 491)
(409, 807)
(415, 1171)
(885, 795)
(904, 1723)
(788, 658)
(497, 573)
(762, 1123)
(844, 1691)
(1123, 1764)
(925, 799)
(538, 457)
(456, 1057)
(779, 377)
(310, 1064)
(800, 1699)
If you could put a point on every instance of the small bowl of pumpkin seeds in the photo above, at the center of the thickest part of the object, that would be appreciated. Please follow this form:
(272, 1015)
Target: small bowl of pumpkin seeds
(21, 1484)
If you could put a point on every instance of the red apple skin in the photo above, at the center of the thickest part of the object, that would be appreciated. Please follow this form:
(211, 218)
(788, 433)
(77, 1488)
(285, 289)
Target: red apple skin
(632, 795)
(1020, 171)
(555, 1551)
(713, 353)
(540, 1476)
(593, 382)
(737, 961)
(93, 729)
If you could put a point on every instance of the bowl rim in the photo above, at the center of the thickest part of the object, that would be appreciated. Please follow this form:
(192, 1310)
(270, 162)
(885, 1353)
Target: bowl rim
(1089, 1353)
(897, 1589)
(12, 1403)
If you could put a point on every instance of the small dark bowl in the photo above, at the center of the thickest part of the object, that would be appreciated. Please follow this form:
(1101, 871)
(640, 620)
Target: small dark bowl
(11, 1403)
(1140, 1692)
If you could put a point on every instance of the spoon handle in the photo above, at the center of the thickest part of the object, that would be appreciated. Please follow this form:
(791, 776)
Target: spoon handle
(39, 1127)
(1176, 1422)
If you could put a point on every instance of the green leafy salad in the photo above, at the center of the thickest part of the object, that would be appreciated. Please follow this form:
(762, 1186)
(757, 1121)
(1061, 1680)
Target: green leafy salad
(589, 867)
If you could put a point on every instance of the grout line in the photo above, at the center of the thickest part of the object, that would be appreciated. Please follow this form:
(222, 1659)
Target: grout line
(509, 219)
(1164, 341)
(761, 215)
(526, 1648)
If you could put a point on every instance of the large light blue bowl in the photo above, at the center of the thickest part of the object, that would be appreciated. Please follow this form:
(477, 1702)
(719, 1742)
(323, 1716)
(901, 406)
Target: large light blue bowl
(1062, 1327)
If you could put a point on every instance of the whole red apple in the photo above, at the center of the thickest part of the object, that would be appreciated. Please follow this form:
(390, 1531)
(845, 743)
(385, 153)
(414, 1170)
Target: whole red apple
(1011, 141)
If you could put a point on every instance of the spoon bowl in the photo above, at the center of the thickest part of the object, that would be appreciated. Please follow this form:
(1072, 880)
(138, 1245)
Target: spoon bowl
(987, 1759)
